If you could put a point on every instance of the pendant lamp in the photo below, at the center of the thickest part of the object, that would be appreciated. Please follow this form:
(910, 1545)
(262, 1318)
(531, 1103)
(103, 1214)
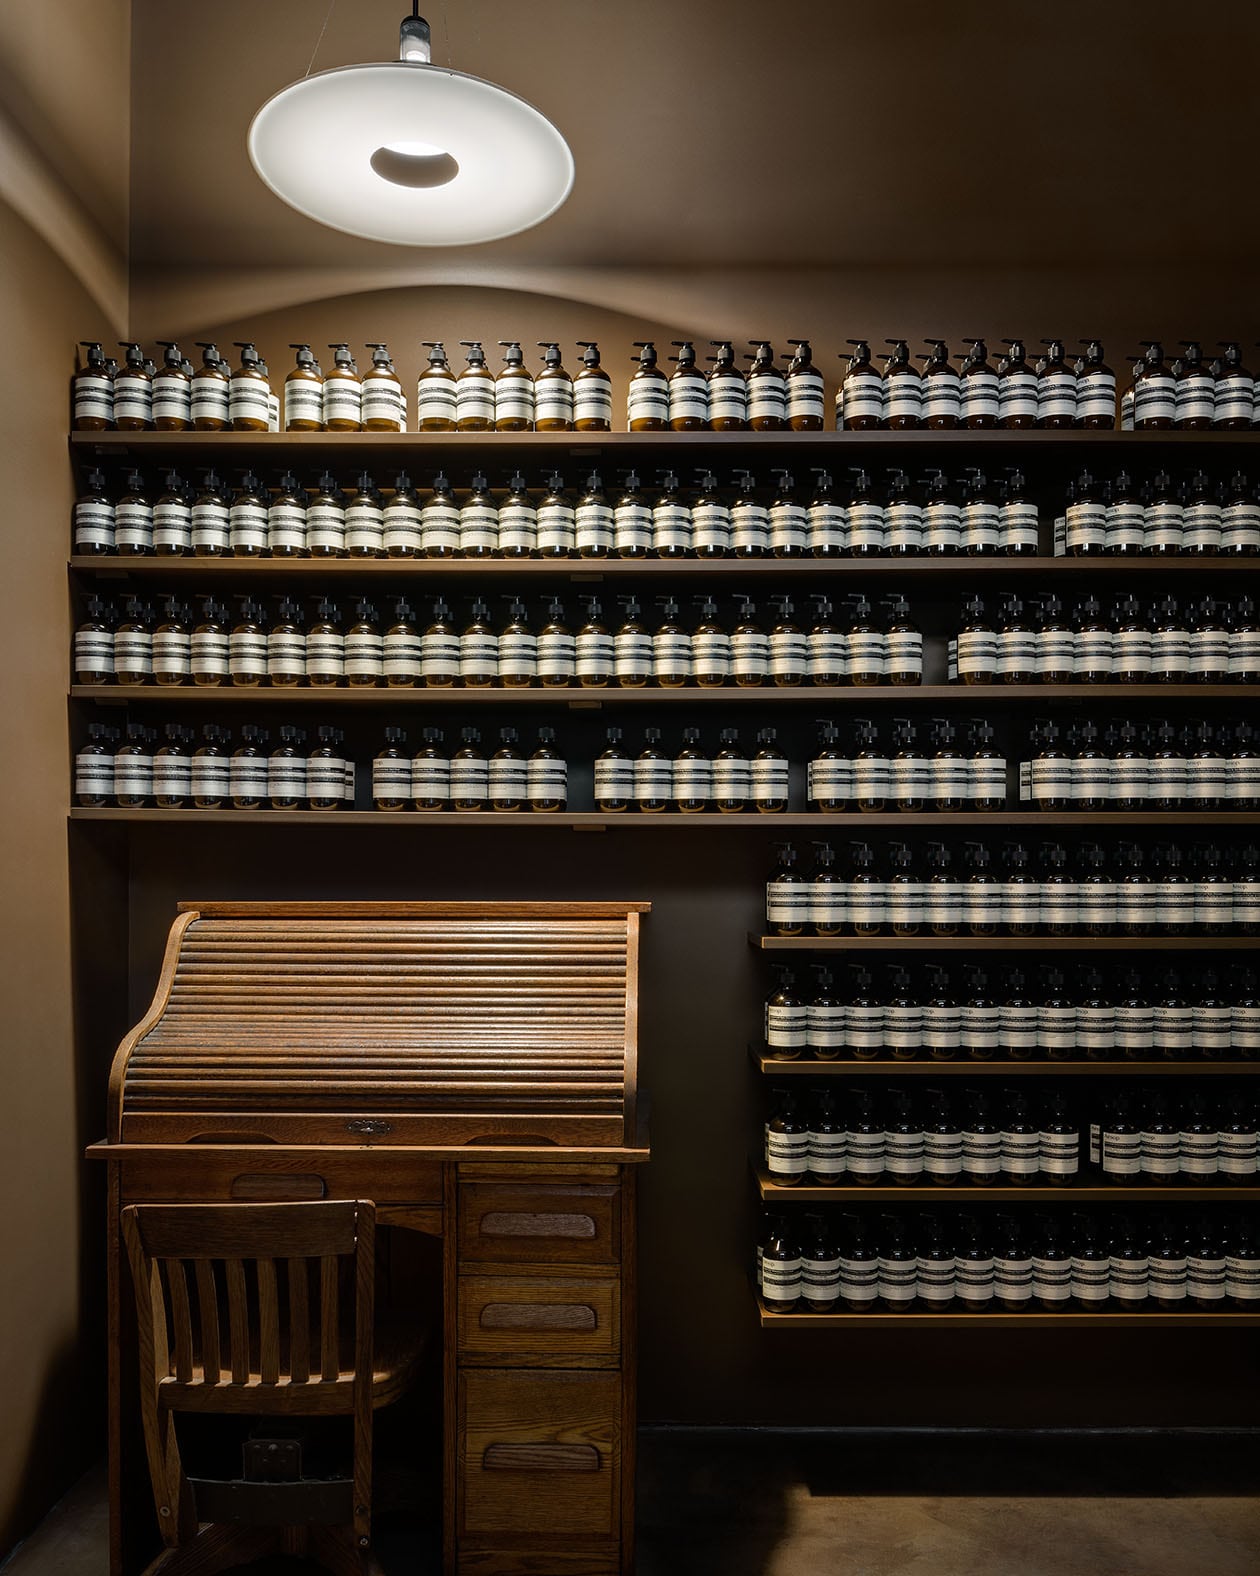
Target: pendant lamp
(411, 153)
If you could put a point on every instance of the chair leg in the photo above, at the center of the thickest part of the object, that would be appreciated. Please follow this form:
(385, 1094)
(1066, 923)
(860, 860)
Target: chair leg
(337, 1549)
(218, 1547)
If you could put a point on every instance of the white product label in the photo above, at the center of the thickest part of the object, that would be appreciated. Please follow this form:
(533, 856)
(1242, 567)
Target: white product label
(286, 653)
(1242, 1278)
(172, 778)
(654, 782)
(942, 1151)
(430, 778)
(94, 525)
(1161, 1153)
(93, 774)
(805, 394)
(478, 528)
(1017, 395)
(1205, 1277)
(1126, 527)
(343, 400)
(1017, 1029)
(1016, 653)
(513, 399)
(400, 654)
(986, 778)
(1201, 528)
(247, 776)
(868, 527)
(711, 653)
(94, 651)
(865, 1031)
(750, 655)
(1094, 651)
(942, 527)
(786, 1153)
(904, 524)
(1086, 526)
(671, 654)
(595, 655)
(1195, 397)
(1019, 526)
(944, 903)
(133, 774)
(325, 655)
(1096, 395)
(974, 1278)
(750, 528)
(789, 528)
(830, 780)
(209, 652)
(474, 398)
(439, 526)
(710, 528)
(769, 780)
(728, 396)
(828, 656)
(632, 527)
(592, 400)
(1056, 1030)
(903, 396)
(247, 653)
(518, 654)
(435, 401)
(1244, 654)
(981, 527)
(303, 401)
(648, 400)
(518, 527)
(1058, 1154)
(787, 902)
(391, 777)
(365, 525)
(1128, 1278)
(789, 654)
(363, 654)
(286, 777)
(828, 904)
(1051, 1280)
(1056, 651)
(546, 779)
(209, 399)
(133, 526)
(555, 655)
(671, 527)
(325, 526)
(1235, 398)
(1121, 1153)
(1240, 527)
(767, 396)
(977, 651)
(247, 522)
(133, 397)
(981, 1028)
(1167, 1279)
(93, 396)
(908, 778)
(732, 781)
(133, 653)
(979, 396)
(210, 527)
(209, 776)
(470, 777)
(248, 400)
(614, 779)
(402, 529)
(828, 528)
(942, 396)
(507, 778)
(1155, 397)
(556, 523)
(593, 527)
(907, 904)
(871, 777)
(1091, 1278)
(286, 527)
(632, 654)
(786, 1025)
(478, 655)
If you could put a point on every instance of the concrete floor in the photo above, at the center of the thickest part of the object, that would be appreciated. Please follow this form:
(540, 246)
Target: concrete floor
(766, 1504)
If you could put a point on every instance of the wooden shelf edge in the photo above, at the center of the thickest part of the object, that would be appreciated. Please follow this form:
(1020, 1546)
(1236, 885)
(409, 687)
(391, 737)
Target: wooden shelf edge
(1068, 1320)
(650, 695)
(961, 1067)
(1001, 943)
(920, 1193)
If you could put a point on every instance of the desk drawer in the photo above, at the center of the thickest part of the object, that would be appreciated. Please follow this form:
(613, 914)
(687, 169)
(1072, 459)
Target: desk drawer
(535, 1223)
(540, 1454)
(539, 1316)
(198, 1174)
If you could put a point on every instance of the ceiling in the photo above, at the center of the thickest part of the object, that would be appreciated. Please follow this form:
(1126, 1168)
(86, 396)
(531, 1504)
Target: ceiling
(902, 143)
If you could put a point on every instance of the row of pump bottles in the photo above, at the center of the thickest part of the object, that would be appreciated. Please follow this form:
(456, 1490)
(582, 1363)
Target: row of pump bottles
(888, 1135)
(142, 768)
(980, 1014)
(750, 519)
(954, 1261)
(1091, 890)
(1056, 392)
(1164, 639)
(174, 646)
(1195, 516)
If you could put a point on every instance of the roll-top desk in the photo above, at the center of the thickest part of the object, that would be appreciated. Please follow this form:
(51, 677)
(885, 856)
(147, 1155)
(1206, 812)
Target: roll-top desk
(472, 1069)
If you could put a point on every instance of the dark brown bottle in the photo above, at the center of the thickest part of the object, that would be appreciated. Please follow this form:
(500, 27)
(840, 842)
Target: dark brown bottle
(767, 389)
(978, 410)
(592, 392)
(513, 392)
(942, 389)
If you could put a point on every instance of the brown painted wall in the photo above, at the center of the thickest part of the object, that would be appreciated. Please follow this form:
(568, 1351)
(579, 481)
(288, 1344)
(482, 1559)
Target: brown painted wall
(50, 1374)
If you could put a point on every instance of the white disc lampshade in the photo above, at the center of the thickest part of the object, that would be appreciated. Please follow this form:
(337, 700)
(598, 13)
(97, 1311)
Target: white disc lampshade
(413, 154)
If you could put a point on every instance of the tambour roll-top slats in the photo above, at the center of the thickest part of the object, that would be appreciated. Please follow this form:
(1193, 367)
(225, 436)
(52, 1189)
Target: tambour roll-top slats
(437, 1023)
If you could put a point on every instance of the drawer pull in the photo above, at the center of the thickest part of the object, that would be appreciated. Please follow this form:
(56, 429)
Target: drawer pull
(540, 1458)
(261, 1187)
(505, 1223)
(537, 1316)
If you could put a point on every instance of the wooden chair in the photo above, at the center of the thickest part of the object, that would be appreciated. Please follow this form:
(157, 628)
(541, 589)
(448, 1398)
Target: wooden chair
(240, 1311)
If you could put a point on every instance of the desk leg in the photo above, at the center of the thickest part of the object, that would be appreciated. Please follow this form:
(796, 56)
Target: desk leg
(450, 1374)
(629, 1359)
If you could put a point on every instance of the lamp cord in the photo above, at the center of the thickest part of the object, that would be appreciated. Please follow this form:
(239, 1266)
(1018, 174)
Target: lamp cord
(322, 31)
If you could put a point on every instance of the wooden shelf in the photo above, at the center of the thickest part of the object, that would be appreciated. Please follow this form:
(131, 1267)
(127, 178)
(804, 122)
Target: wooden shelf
(962, 1067)
(1001, 943)
(549, 448)
(593, 570)
(594, 821)
(921, 1193)
(1070, 1319)
(650, 695)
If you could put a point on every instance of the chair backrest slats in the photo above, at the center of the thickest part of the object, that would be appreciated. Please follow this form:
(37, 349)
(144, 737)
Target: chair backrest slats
(208, 1308)
(238, 1321)
(299, 1322)
(181, 1319)
(268, 1323)
(329, 1358)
